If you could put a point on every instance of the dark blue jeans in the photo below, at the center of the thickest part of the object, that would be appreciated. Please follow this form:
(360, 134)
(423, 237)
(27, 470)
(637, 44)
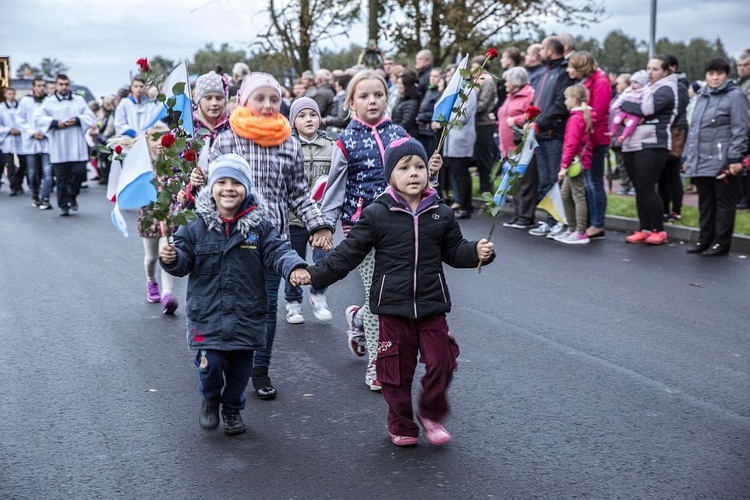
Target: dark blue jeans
(263, 356)
(596, 196)
(299, 239)
(226, 376)
(39, 172)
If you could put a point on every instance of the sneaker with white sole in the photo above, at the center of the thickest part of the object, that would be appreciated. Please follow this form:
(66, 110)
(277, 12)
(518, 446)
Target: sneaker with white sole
(356, 332)
(563, 236)
(320, 307)
(556, 230)
(294, 313)
(576, 238)
(371, 377)
(542, 230)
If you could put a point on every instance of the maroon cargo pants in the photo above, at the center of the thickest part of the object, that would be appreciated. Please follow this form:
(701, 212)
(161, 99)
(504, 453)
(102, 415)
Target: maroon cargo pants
(401, 341)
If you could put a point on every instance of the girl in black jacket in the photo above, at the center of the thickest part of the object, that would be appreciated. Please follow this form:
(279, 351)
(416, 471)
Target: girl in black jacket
(412, 234)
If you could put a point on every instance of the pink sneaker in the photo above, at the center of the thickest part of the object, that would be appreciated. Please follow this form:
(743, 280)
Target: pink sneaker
(403, 440)
(371, 377)
(435, 432)
(657, 238)
(152, 289)
(638, 237)
(170, 303)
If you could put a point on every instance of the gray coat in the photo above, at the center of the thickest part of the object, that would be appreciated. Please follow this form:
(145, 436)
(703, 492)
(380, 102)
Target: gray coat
(718, 131)
(227, 302)
(459, 143)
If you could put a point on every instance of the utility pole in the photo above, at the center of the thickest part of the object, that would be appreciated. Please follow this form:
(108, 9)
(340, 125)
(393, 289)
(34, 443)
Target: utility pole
(652, 34)
(372, 21)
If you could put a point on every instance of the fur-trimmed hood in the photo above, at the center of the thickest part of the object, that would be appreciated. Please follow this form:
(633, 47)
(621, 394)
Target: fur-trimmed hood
(205, 208)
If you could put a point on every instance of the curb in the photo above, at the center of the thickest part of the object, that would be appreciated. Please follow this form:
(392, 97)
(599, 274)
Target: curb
(740, 243)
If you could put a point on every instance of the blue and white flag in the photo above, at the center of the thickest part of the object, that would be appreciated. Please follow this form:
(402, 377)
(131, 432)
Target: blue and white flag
(135, 188)
(183, 103)
(447, 101)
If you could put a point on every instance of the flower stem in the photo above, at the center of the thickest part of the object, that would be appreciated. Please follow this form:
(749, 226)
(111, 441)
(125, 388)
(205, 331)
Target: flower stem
(489, 238)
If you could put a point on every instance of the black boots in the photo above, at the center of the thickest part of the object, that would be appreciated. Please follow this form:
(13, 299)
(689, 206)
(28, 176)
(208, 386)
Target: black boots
(233, 423)
(262, 383)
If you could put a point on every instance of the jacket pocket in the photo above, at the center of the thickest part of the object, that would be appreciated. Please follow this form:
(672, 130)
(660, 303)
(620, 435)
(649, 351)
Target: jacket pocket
(388, 364)
(207, 259)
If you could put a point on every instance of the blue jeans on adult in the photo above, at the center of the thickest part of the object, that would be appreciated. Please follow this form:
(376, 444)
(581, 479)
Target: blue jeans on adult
(39, 172)
(596, 196)
(549, 155)
(299, 239)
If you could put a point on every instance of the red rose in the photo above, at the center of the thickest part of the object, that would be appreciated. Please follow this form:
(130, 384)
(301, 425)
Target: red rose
(143, 64)
(532, 112)
(190, 155)
(167, 140)
(118, 149)
(491, 53)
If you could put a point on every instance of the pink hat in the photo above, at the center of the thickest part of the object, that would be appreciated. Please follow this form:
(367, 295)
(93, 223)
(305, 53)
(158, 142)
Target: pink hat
(253, 82)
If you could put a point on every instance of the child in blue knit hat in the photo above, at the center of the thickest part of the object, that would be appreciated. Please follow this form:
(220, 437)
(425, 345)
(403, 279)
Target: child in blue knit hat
(412, 233)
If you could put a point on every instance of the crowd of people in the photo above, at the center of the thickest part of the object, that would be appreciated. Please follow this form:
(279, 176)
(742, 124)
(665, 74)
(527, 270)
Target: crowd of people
(281, 167)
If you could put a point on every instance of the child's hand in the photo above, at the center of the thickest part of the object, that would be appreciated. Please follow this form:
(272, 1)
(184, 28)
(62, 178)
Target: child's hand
(299, 277)
(562, 173)
(168, 254)
(323, 239)
(435, 164)
(197, 177)
(182, 197)
(485, 249)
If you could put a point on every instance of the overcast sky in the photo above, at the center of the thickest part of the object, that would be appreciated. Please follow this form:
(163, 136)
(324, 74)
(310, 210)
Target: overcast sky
(100, 40)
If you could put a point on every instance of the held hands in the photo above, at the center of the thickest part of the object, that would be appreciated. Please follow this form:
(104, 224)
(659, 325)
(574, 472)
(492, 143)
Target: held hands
(197, 177)
(299, 277)
(323, 239)
(435, 164)
(485, 249)
(168, 254)
(735, 168)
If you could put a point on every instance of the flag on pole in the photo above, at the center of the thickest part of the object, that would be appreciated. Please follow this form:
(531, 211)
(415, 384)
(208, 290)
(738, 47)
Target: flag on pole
(552, 203)
(522, 163)
(444, 105)
(183, 104)
(135, 188)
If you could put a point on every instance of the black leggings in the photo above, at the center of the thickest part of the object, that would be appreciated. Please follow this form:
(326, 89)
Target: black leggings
(644, 169)
(670, 186)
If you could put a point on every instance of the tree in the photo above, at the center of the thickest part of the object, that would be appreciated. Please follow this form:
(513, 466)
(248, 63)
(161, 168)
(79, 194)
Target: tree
(208, 58)
(161, 65)
(298, 26)
(26, 70)
(621, 53)
(447, 27)
(50, 67)
(346, 58)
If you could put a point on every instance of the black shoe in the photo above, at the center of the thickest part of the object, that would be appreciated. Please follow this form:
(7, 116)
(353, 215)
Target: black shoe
(14, 192)
(462, 214)
(209, 418)
(519, 224)
(233, 423)
(45, 204)
(697, 248)
(262, 383)
(716, 250)
(64, 211)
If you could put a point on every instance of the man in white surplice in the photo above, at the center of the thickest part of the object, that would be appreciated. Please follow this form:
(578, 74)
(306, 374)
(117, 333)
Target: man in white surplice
(65, 118)
(135, 113)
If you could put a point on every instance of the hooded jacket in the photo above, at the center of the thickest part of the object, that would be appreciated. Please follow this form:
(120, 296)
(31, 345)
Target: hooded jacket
(718, 131)
(226, 297)
(410, 248)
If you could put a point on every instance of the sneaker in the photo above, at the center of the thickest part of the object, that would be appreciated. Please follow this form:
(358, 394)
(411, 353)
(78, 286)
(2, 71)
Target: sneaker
(170, 303)
(152, 291)
(518, 224)
(74, 205)
(35, 202)
(233, 423)
(64, 212)
(638, 237)
(675, 216)
(403, 440)
(631, 192)
(209, 418)
(556, 230)
(596, 234)
(45, 204)
(435, 432)
(371, 378)
(542, 230)
(623, 191)
(657, 238)
(294, 313)
(576, 238)
(561, 237)
(356, 333)
(320, 307)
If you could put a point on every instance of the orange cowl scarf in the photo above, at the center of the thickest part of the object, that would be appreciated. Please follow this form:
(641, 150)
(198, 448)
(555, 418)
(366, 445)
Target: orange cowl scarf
(263, 131)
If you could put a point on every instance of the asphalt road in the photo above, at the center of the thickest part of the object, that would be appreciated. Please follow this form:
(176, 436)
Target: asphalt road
(593, 372)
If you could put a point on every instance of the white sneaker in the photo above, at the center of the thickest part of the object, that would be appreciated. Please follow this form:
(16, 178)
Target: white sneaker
(320, 307)
(556, 230)
(542, 230)
(562, 237)
(294, 313)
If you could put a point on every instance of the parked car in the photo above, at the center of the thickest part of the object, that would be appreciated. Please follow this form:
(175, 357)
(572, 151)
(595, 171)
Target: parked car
(23, 87)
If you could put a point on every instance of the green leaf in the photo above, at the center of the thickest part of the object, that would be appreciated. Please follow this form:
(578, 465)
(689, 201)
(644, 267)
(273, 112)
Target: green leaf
(161, 97)
(103, 149)
(171, 102)
(178, 88)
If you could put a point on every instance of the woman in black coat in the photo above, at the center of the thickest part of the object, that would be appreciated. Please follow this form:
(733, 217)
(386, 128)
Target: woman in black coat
(405, 112)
